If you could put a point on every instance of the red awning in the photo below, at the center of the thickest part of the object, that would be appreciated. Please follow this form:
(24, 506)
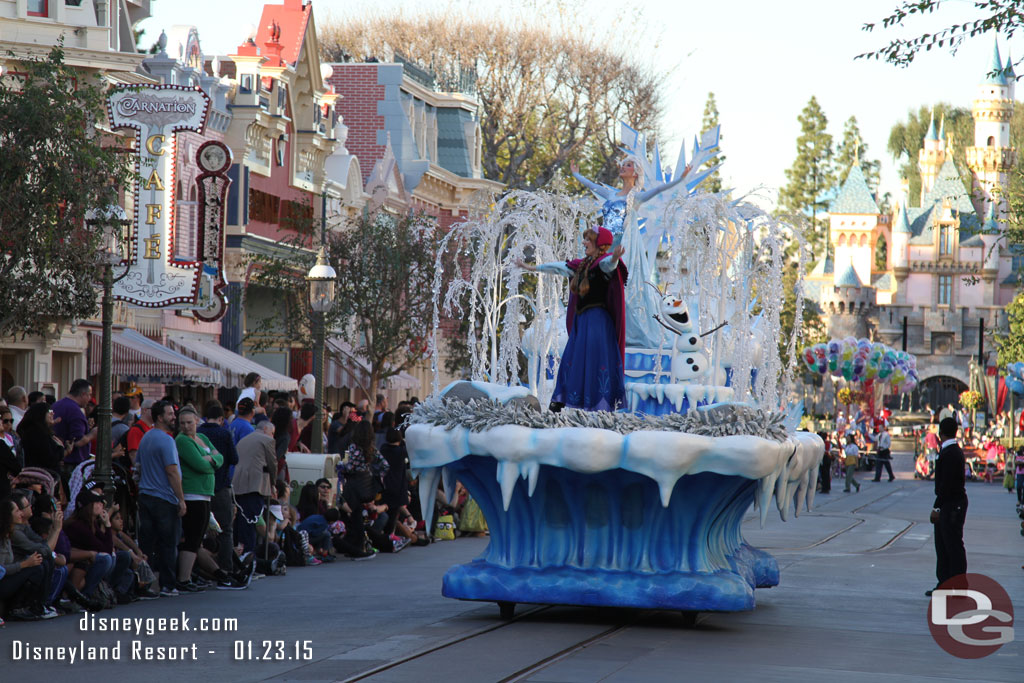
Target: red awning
(139, 358)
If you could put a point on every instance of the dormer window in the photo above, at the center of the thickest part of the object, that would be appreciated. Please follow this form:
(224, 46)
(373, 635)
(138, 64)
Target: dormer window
(945, 240)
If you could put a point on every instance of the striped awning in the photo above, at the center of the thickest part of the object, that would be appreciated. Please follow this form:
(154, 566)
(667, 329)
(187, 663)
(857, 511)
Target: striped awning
(347, 369)
(137, 358)
(234, 367)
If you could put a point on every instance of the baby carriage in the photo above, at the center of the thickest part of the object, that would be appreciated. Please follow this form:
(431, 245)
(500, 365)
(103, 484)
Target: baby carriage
(922, 467)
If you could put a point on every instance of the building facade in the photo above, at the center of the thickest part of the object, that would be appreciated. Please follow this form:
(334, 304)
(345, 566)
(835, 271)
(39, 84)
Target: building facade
(98, 41)
(418, 147)
(312, 144)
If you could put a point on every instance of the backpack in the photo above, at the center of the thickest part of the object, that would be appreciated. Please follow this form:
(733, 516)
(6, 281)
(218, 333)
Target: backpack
(291, 545)
(444, 528)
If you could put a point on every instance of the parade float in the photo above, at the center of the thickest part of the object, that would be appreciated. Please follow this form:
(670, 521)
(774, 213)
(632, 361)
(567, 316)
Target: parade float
(641, 506)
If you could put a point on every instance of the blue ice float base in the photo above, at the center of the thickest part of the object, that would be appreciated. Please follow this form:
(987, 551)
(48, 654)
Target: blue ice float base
(480, 580)
(604, 539)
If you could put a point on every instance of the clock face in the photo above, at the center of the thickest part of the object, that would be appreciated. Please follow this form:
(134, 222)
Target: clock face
(214, 311)
(213, 157)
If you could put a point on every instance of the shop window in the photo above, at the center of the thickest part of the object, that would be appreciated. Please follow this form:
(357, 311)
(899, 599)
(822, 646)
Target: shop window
(296, 216)
(264, 207)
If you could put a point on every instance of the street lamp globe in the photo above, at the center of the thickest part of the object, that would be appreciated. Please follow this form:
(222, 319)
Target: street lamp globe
(111, 220)
(321, 279)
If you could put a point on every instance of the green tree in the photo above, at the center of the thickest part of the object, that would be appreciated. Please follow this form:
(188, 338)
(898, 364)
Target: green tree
(853, 148)
(52, 174)
(812, 173)
(714, 181)
(1010, 342)
(385, 265)
(1004, 17)
(550, 89)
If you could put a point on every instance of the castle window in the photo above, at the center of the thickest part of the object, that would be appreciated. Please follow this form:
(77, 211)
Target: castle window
(842, 241)
(863, 240)
(945, 289)
(991, 141)
(945, 240)
(842, 307)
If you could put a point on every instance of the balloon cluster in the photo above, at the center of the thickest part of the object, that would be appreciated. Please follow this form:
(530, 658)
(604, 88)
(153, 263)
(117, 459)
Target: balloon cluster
(858, 360)
(1015, 378)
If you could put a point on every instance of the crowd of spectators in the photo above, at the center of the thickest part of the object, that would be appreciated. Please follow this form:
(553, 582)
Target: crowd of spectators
(200, 499)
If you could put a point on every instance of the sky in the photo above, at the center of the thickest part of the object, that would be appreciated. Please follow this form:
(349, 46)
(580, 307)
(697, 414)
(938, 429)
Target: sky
(763, 60)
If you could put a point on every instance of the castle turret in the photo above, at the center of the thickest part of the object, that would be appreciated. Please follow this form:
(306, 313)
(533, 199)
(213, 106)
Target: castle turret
(854, 223)
(1011, 76)
(991, 157)
(901, 234)
(931, 156)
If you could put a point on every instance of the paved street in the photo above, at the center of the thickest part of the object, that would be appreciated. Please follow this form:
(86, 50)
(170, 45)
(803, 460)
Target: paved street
(850, 607)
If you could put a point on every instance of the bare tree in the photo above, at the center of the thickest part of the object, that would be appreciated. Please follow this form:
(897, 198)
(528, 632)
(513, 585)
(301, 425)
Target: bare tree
(551, 90)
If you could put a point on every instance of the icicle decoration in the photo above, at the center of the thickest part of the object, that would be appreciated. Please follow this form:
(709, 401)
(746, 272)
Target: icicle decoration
(536, 227)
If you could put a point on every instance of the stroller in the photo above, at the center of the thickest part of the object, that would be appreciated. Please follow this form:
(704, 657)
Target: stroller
(923, 467)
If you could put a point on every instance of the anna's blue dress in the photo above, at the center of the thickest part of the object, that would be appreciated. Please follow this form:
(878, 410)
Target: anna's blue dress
(591, 375)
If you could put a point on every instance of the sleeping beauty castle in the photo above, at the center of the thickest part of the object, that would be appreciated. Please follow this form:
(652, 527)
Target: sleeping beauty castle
(935, 272)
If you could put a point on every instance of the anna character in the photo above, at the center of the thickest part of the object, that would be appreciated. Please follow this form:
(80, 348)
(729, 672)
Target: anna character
(591, 375)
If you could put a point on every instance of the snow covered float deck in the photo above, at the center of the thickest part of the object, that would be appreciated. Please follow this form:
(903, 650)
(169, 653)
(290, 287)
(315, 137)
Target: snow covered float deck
(612, 509)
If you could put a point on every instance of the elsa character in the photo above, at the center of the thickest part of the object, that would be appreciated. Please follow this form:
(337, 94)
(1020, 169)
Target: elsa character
(619, 213)
(616, 203)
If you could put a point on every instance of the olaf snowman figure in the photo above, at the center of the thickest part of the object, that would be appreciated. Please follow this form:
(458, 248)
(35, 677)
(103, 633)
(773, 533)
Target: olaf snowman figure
(688, 360)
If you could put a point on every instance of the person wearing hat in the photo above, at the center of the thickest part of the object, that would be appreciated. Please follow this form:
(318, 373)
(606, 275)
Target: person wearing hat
(591, 374)
(92, 547)
(135, 398)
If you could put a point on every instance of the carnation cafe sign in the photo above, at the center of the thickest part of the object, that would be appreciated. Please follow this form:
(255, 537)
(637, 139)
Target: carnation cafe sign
(157, 113)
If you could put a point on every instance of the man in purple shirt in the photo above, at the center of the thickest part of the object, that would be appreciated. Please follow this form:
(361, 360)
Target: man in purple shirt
(70, 423)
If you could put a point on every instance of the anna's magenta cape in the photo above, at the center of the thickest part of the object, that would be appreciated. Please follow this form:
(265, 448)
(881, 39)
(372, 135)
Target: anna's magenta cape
(615, 300)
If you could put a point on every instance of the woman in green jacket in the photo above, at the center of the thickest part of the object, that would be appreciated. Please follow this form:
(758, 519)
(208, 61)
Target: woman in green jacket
(199, 459)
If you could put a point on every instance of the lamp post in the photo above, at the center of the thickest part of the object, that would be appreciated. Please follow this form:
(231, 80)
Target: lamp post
(110, 221)
(321, 279)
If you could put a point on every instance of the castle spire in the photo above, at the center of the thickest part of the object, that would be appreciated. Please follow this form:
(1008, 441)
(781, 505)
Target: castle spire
(903, 224)
(932, 135)
(942, 128)
(996, 74)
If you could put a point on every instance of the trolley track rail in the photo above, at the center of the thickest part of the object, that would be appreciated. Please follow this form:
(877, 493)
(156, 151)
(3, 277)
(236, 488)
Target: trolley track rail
(419, 654)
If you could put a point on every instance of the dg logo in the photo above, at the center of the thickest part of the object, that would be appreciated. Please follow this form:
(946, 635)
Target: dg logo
(970, 616)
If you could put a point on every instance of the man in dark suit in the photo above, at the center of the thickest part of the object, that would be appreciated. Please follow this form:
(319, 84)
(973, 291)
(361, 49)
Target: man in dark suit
(950, 509)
